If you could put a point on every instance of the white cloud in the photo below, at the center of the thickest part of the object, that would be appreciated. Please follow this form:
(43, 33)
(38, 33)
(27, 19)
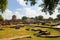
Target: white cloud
(21, 2)
(30, 12)
(47, 15)
(7, 14)
(42, 13)
(55, 13)
(18, 14)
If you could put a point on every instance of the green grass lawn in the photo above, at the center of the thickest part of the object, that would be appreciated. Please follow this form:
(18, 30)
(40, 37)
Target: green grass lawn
(11, 32)
(40, 38)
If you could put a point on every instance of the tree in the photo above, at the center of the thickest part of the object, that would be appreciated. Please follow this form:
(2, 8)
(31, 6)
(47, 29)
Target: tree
(36, 18)
(1, 18)
(48, 5)
(39, 17)
(3, 5)
(58, 17)
(50, 18)
(24, 18)
(32, 18)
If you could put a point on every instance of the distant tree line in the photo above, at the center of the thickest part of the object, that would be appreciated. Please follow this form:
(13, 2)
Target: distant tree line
(40, 17)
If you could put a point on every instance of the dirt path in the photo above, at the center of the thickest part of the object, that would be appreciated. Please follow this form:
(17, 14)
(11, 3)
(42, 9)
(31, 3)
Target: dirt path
(15, 37)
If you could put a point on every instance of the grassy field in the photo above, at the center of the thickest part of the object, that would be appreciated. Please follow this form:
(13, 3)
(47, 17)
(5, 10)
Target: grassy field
(12, 32)
(53, 32)
(38, 38)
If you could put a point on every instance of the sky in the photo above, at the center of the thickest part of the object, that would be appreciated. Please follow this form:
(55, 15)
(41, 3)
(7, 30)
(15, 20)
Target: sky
(20, 9)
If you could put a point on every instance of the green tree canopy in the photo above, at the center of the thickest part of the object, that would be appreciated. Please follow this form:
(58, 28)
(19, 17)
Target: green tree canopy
(24, 18)
(48, 5)
(1, 18)
(3, 5)
(58, 17)
(39, 17)
(50, 18)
